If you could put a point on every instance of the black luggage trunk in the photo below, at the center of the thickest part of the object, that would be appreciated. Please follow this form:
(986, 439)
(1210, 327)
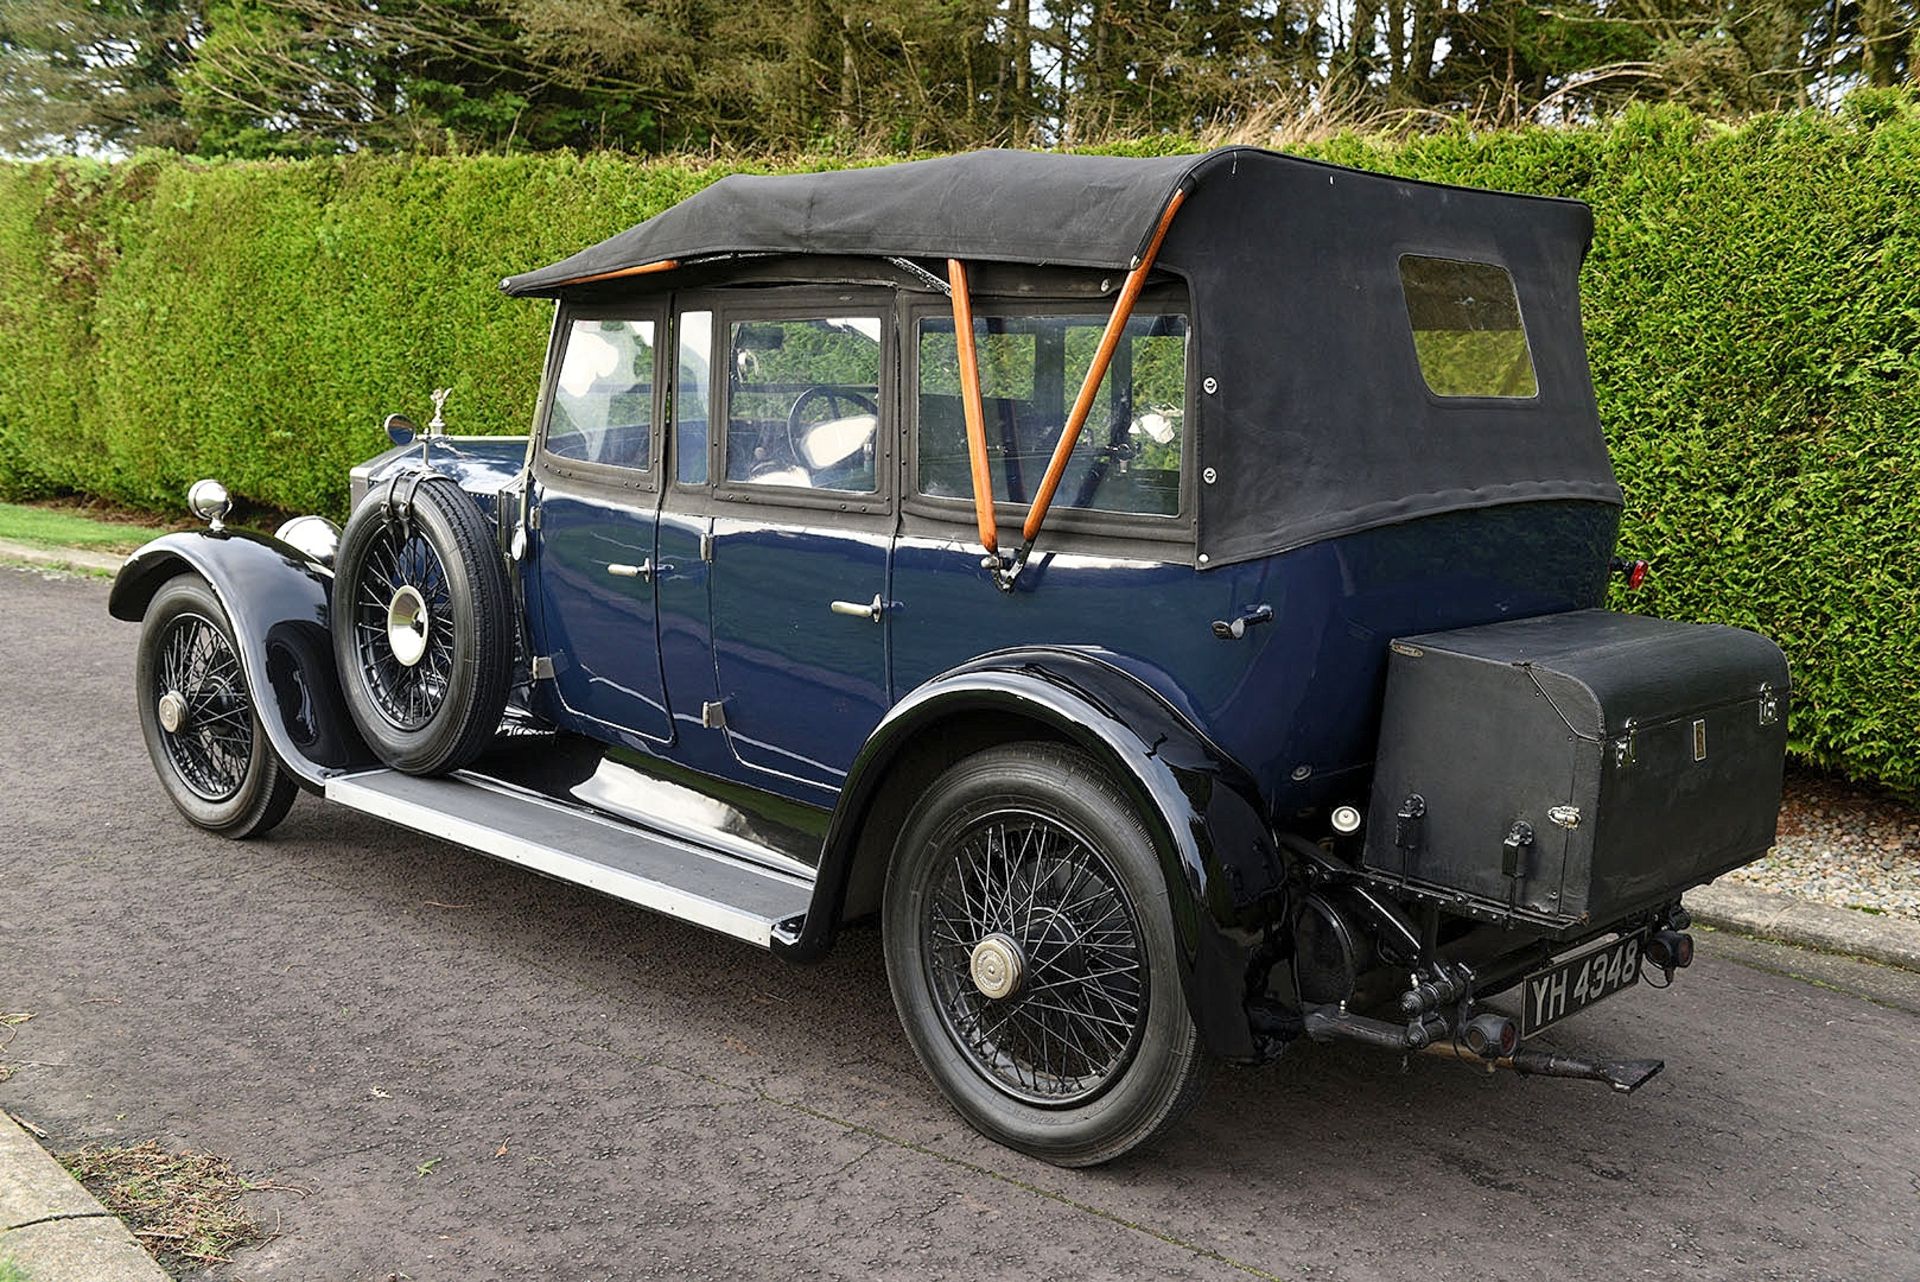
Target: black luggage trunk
(1572, 769)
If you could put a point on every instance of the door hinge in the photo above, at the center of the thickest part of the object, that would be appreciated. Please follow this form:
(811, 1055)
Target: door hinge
(533, 517)
(542, 668)
(713, 716)
(706, 545)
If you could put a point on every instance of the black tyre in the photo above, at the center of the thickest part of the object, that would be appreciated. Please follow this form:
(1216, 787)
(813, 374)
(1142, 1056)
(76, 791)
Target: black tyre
(421, 626)
(197, 716)
(1031, 953)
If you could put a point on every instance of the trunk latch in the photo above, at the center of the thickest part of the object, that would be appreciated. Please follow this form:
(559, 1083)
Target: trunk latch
(1408, 824)
(1513, 850)
(1623, 746)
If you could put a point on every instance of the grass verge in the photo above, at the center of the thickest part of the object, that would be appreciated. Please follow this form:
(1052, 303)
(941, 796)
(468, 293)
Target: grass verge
(183, 1207)
(64, 528)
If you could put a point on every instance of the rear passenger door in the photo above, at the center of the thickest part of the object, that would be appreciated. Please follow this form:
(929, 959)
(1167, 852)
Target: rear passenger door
(803, 525)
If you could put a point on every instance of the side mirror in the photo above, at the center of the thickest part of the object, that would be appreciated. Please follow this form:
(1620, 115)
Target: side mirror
(400, 429)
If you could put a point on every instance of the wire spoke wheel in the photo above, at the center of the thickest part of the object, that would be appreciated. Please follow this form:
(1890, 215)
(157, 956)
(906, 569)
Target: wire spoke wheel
(1033, 957)
(205, 711)
(422, 624)
(203, 728)
(1033, 953)
(403, 626)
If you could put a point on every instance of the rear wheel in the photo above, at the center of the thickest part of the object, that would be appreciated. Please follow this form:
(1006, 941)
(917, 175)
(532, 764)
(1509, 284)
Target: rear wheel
(197, 716)
(1031, 953)
(421, 627)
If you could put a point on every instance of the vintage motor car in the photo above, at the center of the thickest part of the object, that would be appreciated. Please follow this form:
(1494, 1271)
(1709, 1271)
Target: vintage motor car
(1165, 593)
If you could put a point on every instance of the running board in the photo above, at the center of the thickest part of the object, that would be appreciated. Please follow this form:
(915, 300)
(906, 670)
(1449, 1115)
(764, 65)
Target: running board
(666, 874)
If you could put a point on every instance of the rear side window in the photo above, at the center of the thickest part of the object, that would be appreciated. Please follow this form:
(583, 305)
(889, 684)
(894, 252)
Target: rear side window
(1127, 458)
(1467, 330)
(603, 400)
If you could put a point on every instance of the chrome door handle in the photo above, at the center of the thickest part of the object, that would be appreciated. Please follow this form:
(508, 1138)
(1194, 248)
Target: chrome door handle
(871, 610)
(644, 570)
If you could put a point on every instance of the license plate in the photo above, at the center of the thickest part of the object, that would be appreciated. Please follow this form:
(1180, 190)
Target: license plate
(1570, 986)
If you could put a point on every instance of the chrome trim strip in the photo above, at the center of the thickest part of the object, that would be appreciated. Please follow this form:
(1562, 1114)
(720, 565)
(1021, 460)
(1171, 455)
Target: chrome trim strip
(634, 889)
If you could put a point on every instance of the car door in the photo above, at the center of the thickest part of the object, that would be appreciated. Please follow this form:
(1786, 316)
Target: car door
(802, 528)
(596, 488)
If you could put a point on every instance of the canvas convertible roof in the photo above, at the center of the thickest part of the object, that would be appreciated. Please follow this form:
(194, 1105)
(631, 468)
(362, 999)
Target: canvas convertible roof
(1003, 206)
(1316, 420)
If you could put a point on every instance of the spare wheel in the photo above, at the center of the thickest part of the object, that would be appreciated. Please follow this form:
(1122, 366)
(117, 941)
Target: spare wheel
(421, 626)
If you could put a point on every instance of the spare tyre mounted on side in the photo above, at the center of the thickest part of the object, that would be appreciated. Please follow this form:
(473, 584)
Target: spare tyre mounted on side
(421, 626)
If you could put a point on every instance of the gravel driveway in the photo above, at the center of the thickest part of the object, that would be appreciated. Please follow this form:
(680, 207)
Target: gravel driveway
(472, 1073)
(1842, 845)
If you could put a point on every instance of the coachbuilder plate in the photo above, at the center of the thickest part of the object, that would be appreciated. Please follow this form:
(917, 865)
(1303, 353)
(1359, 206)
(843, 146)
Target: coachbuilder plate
(1570, 986)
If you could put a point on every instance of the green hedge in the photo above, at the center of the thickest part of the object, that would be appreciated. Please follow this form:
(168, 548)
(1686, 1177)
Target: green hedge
(1752, 305)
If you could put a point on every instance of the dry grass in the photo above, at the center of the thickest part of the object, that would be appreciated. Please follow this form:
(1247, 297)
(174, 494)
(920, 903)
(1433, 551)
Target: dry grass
(1304, 116)
(183, 1207)
(10, 1022)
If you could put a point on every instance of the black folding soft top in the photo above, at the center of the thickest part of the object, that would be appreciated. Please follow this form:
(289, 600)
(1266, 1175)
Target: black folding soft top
(1318, 422)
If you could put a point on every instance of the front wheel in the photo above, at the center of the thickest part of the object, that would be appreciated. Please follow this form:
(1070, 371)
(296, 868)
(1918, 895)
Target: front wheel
(1031, 953)
(197, 716)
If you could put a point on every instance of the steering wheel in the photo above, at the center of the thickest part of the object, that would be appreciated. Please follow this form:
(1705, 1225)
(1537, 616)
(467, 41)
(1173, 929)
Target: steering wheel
(836, 398)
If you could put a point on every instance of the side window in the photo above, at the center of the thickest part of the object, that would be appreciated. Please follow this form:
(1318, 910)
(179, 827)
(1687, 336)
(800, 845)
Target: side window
(603, 400)
(1467, 331)
(1127, 457)
(803, 402)
(693, 393)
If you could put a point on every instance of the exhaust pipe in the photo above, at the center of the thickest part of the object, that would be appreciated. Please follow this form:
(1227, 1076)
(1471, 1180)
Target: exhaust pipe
(1487, 1039)
(1624, 1075)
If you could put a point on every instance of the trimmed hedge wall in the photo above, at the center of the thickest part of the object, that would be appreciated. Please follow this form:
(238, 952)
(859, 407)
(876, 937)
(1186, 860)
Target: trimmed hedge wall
(1752, 304)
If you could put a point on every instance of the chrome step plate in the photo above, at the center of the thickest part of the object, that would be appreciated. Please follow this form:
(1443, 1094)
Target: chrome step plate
(667, 874)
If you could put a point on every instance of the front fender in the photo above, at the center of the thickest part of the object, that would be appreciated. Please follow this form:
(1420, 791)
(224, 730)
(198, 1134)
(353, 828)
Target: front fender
(276, 598)
(1216, 849)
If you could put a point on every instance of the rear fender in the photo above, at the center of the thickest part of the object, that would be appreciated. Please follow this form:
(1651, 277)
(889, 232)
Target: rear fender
(1216, 850)
(277, 600)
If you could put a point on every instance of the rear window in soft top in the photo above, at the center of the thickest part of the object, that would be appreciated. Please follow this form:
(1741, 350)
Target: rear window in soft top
(1467, 330)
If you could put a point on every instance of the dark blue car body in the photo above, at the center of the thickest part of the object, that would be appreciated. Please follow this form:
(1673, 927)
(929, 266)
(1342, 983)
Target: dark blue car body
(727, 671)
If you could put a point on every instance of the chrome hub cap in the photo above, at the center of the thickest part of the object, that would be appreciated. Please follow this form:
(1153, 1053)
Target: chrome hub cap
(200, 702)
(407, 624)
(998, 966)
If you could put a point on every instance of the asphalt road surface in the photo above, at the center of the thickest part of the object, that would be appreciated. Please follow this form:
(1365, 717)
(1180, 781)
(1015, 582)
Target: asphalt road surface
(470, 1072)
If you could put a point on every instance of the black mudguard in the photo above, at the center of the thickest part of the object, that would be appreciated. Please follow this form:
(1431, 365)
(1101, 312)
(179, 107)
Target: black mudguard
(277, 600)
(1224, 875)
